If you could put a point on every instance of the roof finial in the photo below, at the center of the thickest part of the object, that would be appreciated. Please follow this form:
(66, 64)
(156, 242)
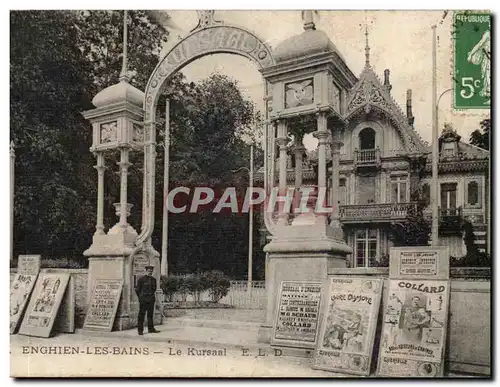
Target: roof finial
(308, 19)
(124, 73)
(367, 46)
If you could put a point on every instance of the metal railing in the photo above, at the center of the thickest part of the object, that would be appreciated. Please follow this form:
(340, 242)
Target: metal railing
(367, 156)
(385, 211)
(242, 296)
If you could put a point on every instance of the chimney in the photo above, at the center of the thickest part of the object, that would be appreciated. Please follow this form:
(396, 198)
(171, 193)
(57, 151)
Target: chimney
(409, 113)
(387, 82)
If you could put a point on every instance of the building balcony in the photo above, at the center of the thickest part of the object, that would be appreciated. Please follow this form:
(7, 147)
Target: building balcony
(367, 158)
(363, 213)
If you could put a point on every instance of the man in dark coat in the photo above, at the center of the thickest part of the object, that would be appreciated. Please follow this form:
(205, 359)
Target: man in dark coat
(145, 290)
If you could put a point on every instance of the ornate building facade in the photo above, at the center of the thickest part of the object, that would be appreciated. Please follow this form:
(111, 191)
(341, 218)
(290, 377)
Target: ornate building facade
(385, 167)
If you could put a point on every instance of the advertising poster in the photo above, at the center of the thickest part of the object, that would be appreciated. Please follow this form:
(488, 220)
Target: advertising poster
(348, 325)
(103, 304)
(413, 334)
(431, 262)
(20, 291)
(65, 320)
(297, 317)
(29, 264)
(44, 304)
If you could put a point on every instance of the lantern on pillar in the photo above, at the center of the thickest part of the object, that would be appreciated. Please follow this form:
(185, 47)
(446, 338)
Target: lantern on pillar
(117, 125)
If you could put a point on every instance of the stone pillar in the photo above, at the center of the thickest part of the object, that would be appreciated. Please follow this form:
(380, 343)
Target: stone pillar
(298, 150)
(100, 194)
(335, 216)
(282, 140)
(124, 165)
(323, 138)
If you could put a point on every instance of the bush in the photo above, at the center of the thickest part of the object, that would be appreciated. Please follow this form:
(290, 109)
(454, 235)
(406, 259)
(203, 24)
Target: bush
(195, 284)
(170, 285)
(219, 284)
(475, 259)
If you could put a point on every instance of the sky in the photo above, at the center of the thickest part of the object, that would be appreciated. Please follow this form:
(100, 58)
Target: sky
(400, 41)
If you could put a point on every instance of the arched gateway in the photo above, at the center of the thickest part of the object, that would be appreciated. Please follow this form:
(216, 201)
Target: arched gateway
(209, 37)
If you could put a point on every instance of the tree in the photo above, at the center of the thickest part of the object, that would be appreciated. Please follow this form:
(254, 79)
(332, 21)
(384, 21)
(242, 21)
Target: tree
(59, 60)
(481, 138)
(416, 228)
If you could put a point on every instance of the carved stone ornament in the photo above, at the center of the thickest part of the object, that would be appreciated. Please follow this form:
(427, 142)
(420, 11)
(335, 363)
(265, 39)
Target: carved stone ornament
(138, 131)
(109, 132)
(299, 93)
(369, 92)
(206, 19)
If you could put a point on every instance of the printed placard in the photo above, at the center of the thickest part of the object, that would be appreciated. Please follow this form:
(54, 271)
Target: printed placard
(44, 304)
(348, 324)
(297, 314)
(420, 262)
(65, 320)
(413, 334)
(103, 304)
(29, 264)
(20, 292)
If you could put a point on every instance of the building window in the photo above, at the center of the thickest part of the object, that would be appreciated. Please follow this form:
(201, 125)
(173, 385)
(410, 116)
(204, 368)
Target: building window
(366, 247)
(426, 193)
(448, 196)
(367, 139)
(342, 192)
(473, 193)
(448, 149)
(398, 189)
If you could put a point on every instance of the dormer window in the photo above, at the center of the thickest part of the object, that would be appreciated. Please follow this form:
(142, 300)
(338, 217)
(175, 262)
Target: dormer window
(449, 149)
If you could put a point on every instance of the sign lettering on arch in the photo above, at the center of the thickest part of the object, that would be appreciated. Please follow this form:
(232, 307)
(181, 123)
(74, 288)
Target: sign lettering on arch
(204, 41)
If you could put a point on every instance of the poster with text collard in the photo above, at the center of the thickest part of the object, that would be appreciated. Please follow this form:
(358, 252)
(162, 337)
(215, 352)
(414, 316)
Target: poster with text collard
(348, 324)
(44, 304)
(297, 314)
(413, 336)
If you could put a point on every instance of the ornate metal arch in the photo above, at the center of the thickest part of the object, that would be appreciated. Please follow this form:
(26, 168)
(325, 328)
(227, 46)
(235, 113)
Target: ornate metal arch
(209, 37)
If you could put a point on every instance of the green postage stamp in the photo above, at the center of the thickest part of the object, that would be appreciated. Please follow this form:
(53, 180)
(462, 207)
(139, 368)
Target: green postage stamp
(472, 69)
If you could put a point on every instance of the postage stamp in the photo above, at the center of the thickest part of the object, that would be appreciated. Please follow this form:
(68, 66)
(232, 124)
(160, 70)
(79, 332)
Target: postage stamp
(472, 60)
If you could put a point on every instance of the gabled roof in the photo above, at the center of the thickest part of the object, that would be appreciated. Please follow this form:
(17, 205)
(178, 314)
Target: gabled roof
(368, 94)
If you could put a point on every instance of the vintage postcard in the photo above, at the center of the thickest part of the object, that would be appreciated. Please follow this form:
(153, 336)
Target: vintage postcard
(250, 193)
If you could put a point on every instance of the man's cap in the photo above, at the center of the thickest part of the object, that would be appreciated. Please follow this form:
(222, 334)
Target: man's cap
(149, 267)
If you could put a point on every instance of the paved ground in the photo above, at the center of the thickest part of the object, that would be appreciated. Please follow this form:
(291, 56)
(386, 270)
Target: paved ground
(198, 343)
(128, 357)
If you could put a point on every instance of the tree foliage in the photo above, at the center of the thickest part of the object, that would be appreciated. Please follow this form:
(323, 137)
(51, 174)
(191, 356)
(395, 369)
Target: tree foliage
(59, 61)
(481, 138)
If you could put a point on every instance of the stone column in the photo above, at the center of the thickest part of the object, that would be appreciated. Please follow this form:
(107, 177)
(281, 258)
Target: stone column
(282, 140)
(100, 194)
(299, 150)
(335, 216)
(124, 165)
(323, 137)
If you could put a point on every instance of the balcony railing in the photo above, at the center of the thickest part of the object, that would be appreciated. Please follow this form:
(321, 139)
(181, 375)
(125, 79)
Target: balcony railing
(374, 212)
(367, 157)
(450, 220)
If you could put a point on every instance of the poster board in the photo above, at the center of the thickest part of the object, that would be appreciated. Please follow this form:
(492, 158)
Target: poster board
(103, 304)
(413, 336)
(348, 324)
(65, 320)
(20, 292)
(44, 304)
(29, 264)
(420, 262)
(297, 314)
